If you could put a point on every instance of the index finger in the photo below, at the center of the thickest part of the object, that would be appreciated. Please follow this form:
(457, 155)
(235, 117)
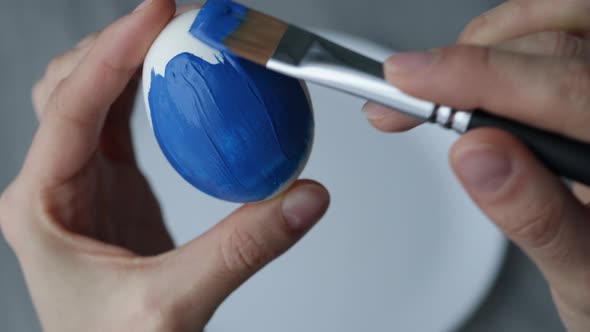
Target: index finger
(70, 131)
(545, 92)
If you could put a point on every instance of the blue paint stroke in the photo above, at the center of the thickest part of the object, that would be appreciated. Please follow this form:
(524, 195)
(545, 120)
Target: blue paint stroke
(216, 21)
(234, 130)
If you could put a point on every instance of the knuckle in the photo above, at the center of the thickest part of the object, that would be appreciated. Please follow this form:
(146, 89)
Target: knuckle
(575, 84)
(568, 91)
(9, 226)
(62, 66)
(489, 22)
(485, 57)
(88, 41)
(56, 65)
(576, 79)
(37, 93)
(242, 253)
(522, 8)
(559, 42)
(54, 100)
(4, 209)
(471, 31)
(579, 48)
(60, 107)
(480, 56)
(116, 67)
(563, 45)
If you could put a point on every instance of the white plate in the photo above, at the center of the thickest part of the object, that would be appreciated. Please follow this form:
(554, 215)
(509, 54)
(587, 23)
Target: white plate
(402, 248)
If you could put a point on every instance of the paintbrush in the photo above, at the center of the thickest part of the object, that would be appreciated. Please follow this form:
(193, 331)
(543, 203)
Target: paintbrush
(287, 49)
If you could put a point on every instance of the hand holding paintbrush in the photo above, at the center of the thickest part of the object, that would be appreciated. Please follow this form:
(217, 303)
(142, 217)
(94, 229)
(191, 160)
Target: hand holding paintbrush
(532, 66)
(233, 28)
(535, 85)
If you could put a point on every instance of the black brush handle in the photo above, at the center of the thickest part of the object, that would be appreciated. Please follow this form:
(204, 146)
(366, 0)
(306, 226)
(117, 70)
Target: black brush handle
(565, 156)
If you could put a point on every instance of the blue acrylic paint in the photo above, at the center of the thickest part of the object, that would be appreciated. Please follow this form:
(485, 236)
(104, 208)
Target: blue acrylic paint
(216, 21)
(234, 130)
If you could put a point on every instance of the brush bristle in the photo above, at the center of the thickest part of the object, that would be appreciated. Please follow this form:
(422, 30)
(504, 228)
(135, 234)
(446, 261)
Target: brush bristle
(257, 37)
(231, 27)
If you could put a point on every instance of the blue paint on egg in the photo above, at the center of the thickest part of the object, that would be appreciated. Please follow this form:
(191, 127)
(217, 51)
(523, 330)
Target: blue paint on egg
(217, 20)
(233, 129)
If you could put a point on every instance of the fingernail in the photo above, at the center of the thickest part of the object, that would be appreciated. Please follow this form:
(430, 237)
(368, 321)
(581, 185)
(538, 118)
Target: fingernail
(410, 62)
(483, 169)
(304, 206)
(142, 5)
(375, 112)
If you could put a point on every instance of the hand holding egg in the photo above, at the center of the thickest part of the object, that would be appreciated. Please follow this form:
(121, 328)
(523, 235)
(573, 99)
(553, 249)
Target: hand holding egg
(84, 223)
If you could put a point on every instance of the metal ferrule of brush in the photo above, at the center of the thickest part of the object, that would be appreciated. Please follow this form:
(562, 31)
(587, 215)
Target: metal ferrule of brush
(311, 58)
(451, 118)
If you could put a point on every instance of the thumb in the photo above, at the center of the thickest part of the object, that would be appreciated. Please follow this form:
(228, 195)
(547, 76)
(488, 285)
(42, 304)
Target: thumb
(211, 267)
(530, 205)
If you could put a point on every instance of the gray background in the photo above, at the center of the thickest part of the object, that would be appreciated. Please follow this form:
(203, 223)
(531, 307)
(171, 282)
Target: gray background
(34, 31)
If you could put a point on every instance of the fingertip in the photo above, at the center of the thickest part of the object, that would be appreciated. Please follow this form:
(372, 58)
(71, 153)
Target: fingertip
(489, 156)
(531, 206)
(388, 120)
(524, 199)
(490, 27)
(481, 162)
(124, 43)
(473, 30)
(375, 112)
(304, 204)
